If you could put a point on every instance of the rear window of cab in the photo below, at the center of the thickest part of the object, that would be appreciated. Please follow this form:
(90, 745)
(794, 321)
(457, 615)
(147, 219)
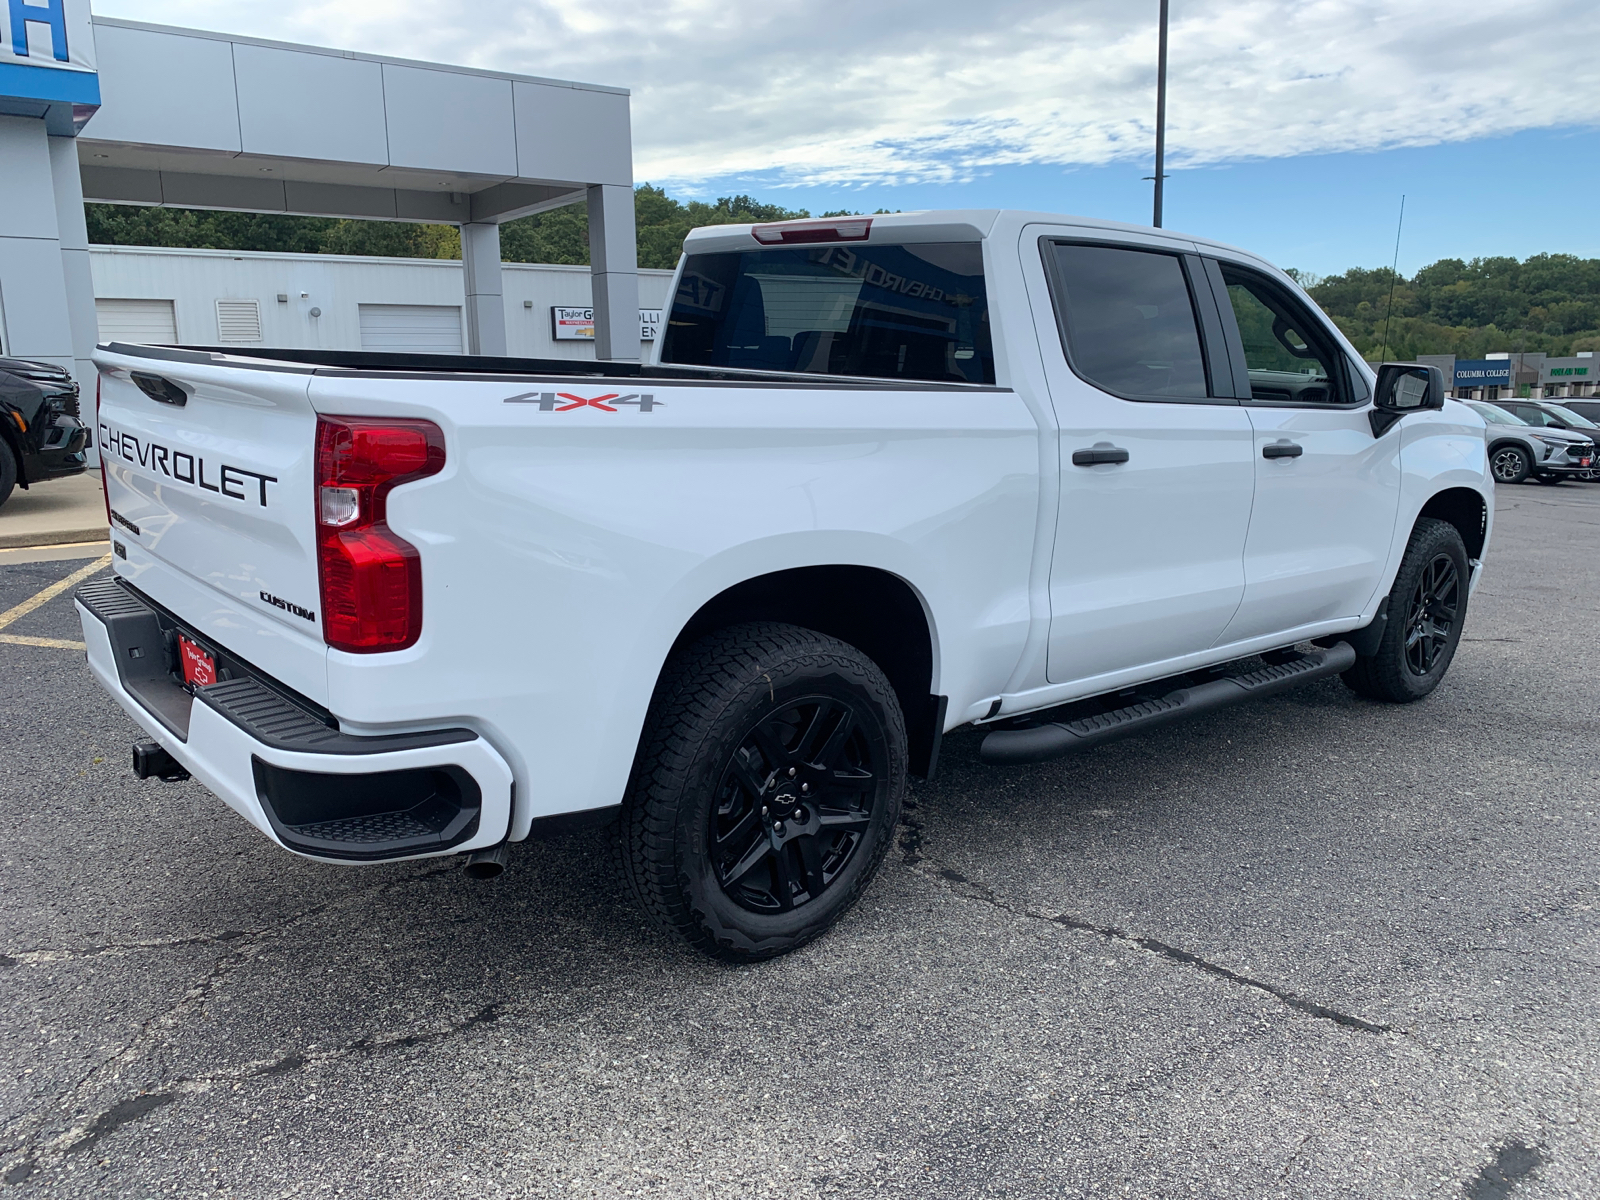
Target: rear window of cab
(913, 312)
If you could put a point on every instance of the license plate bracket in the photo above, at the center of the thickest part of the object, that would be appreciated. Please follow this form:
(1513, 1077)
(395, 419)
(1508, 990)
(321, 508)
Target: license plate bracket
(199, 667)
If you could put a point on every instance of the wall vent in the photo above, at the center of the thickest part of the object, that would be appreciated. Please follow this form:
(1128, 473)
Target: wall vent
(238, 321)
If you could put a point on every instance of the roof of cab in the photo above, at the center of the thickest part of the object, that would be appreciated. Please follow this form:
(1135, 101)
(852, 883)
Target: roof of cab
(949, 225)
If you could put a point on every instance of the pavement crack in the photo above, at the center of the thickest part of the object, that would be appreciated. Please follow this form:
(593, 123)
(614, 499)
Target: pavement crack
(48, 954)
(1288, 1163)
(911, 847)
(85, 1133)
(241, 948)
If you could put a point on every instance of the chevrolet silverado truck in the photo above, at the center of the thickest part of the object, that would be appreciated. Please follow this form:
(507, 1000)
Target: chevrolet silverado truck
(1058, 478)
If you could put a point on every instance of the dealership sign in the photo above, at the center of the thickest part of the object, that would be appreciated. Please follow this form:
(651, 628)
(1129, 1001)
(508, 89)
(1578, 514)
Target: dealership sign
(577, 324)
(47, 52)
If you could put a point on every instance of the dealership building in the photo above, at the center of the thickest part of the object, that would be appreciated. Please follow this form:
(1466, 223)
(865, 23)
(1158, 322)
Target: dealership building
(1536, 375)
(102, 110)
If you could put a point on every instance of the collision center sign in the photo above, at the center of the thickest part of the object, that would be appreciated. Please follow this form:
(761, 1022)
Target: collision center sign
(577, 324)
(47, 51)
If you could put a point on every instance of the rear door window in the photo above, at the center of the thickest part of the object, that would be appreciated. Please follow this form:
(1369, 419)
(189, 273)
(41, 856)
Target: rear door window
(1128, 321)
(914, 312)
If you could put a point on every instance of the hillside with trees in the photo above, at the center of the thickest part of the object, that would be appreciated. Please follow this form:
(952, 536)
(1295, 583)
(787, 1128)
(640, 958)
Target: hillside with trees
(1549, 302)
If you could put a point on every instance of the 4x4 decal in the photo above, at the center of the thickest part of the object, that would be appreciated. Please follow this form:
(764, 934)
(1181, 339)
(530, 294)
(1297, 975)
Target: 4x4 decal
(566, 401)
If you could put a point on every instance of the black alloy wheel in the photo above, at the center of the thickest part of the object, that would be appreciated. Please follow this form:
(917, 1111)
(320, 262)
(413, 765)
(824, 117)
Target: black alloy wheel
(1435, 608)
(1510, 464)
(765, 791)
(1425, 612)
(794, 804)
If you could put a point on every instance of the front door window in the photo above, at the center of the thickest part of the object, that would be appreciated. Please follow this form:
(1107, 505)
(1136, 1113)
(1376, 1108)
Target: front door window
(1289, 357)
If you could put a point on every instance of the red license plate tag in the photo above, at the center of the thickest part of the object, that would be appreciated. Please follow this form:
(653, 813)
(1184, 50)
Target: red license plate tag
(199, 668)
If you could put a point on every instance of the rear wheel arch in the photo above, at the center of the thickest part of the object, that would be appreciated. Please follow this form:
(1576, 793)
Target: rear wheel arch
(872, 609)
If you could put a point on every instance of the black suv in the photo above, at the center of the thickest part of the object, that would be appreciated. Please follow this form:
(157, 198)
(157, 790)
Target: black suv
(41, 432)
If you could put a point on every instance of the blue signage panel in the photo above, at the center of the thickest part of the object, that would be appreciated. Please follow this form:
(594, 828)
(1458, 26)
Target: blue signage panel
(47, 53)
(1483, 372)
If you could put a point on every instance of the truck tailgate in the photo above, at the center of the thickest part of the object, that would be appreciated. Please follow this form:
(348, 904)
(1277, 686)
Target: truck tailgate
(209, 480)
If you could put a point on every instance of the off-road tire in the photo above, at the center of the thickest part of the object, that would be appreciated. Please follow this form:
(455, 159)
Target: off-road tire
(1386, 674)
(711, 700)
(1510, 464)
(8, 471)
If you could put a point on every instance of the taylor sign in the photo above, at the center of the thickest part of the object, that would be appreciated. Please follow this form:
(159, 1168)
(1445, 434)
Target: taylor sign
(577, 324)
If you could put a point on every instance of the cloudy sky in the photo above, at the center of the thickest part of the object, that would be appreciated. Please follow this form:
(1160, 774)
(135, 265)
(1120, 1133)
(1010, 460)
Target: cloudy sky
(1301, 122)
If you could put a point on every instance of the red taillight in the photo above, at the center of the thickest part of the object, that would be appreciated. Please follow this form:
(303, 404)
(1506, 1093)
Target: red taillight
(797, 233)
(371, 578)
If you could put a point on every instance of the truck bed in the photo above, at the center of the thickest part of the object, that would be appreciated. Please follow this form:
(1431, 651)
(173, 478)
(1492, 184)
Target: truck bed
(370, 363)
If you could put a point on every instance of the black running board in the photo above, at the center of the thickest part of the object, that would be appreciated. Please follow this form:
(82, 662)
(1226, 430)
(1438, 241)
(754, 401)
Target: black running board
(1009, 747)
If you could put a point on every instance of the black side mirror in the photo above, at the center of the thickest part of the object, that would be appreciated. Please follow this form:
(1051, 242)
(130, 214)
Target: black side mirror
(1404, 388)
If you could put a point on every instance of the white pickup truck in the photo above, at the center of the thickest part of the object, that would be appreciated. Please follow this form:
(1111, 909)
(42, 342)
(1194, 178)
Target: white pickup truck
(1056, 477)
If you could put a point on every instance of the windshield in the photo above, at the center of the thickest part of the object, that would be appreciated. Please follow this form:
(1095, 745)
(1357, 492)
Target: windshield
(1570, 417)
(1495, 416)
(889, 312)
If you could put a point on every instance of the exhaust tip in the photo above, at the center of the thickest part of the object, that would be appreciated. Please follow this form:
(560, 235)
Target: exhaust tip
(487, 864)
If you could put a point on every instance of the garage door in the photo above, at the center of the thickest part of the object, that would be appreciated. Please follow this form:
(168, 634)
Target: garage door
(146, 321)
(414, 328)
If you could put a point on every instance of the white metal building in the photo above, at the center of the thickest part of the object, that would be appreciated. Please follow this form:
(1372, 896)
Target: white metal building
(330, 302)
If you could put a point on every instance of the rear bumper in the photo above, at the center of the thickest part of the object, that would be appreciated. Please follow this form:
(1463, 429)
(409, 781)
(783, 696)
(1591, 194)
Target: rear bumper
(283, 764)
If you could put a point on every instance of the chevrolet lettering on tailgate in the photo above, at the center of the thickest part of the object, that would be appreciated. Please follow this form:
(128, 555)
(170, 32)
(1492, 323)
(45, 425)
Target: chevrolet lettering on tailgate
(182, 467)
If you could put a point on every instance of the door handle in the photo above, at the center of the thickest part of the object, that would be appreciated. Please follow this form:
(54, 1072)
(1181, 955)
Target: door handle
(1104, 453)
(1283, 449)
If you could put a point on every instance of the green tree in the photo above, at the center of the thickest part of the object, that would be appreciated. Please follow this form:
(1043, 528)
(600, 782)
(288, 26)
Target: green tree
(124, 225)
(562, 234)
(1549, 303)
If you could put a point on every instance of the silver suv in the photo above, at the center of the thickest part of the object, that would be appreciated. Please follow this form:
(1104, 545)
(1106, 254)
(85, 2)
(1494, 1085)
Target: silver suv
(1517, 450)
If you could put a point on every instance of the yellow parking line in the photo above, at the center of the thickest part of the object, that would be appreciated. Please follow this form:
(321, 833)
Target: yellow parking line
(49, 594)
(13, 639)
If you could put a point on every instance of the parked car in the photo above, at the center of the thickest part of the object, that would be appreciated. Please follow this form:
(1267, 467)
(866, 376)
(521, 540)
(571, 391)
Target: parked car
(41, 434)
(887, 476)
(1588, 409)
(1547, 414)
(1518, 451)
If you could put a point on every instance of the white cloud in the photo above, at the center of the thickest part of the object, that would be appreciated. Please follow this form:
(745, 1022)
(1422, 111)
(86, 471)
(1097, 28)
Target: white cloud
(841, 91)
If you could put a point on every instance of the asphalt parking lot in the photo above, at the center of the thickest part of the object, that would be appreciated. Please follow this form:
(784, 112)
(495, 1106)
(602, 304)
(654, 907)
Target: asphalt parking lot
(1315, 947)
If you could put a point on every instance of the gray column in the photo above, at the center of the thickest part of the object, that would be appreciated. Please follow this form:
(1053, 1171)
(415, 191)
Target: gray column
(614, 271)
(34, 320)
(75, 268)
(486, 304)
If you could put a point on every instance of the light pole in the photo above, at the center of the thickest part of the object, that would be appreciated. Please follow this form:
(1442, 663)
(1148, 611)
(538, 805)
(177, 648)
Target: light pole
(1161, 112)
